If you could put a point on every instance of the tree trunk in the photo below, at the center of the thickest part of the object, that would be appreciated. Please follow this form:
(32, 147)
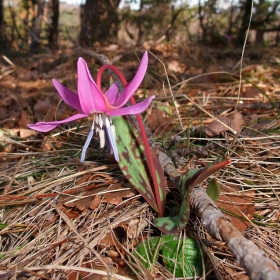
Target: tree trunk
(259, 37)
(1, 24)
(38, 6)
(245, 22)
(53, 28)
(99, 21)
(201, 18)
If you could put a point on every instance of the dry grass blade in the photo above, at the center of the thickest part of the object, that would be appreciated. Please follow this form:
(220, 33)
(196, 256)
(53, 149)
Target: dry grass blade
(82, 269)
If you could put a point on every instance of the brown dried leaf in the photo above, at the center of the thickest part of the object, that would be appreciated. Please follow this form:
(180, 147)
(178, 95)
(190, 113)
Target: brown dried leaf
(235, 203)
(106, 241)
(156, 118)
(237, 121)
(72, 214)
(24, 119)
(116, 197)
(95, 202)
(253, 92)
(80, 204)
(83, 179)
(215, 128)
(42, 106)
(91, 198)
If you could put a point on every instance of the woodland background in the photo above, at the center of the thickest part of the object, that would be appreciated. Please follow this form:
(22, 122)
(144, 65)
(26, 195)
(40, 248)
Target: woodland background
(51, 205)
(41, 25)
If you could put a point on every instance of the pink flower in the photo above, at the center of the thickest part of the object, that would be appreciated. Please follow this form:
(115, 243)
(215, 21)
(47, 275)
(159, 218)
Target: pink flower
(90, 100)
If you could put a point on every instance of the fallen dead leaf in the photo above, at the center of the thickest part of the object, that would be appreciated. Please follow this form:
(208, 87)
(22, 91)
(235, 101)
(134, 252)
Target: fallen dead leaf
(24, 119)
(156, 119)
(95, 202)
(82, 203)
(106, 241)
(237, 203)
(237, 121)
(42, 106)
(116, 197)
(216, 128)
(252, 92)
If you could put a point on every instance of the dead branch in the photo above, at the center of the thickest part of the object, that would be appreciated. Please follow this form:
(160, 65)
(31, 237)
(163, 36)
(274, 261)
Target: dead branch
(248, 255)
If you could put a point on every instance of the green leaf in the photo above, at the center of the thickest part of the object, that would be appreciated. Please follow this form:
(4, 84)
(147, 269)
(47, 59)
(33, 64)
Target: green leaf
(187, 182)
(147, 252)
(213, 189)
(181, 257)
(249, 182)
(133, 161)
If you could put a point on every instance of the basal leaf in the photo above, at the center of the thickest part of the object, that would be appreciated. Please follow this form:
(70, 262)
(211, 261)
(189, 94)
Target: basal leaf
(187, 182)
(133, 161)
(181, 257)
(147, 251)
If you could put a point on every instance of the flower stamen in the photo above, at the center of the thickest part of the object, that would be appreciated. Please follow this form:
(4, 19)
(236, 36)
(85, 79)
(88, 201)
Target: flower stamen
(101, 134)
(103, 127)
(89, 137)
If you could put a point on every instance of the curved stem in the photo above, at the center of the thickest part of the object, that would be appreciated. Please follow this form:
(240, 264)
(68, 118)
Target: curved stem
(142, 130)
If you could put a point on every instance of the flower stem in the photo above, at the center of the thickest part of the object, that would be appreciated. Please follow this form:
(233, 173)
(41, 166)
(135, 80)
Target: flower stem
(143, 133)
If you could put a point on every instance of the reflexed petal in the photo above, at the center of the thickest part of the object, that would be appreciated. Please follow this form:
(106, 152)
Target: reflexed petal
(68, 96)
(133, 109)
(91, 98)
(134, 84)
(112, 93)
(47, 126)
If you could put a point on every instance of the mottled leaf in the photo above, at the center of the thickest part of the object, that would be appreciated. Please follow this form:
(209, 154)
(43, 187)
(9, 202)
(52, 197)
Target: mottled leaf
(213, 189)
(133, 162)
(188, 181)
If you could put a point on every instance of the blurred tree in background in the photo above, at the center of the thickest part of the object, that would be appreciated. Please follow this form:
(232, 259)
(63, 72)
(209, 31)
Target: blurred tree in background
(53, 25)
(264, 14)
(99, 21)
(38, 13)
(2, 40)
(45, 25)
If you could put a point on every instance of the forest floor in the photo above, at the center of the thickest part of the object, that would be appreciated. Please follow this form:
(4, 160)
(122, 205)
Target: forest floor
(60, 219)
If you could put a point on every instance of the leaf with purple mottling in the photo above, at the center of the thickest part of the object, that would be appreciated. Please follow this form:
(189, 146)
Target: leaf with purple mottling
(188, 181)
(133, 161)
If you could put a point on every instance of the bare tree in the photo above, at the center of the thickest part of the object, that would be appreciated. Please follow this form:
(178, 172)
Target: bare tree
(261, 19)
(99, 21)
(38, 7)
(53, 27)
(1, 23)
